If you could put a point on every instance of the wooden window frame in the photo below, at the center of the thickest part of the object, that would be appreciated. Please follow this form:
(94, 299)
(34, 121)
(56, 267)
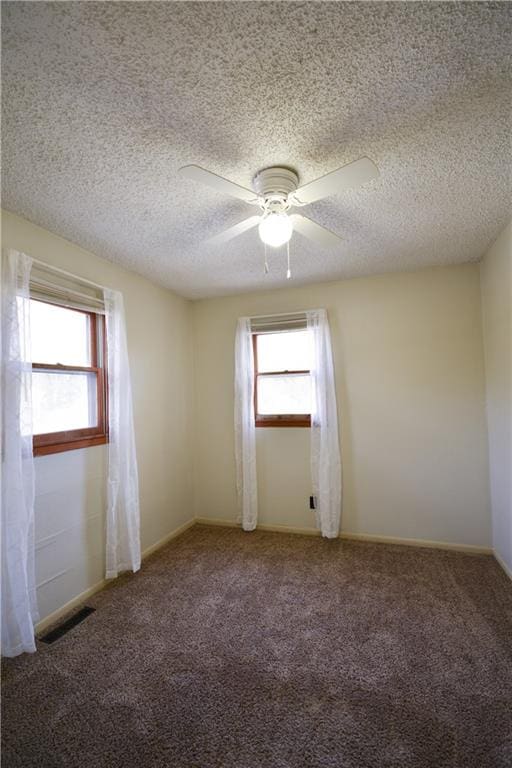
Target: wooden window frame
(275, 420)
(72, 439)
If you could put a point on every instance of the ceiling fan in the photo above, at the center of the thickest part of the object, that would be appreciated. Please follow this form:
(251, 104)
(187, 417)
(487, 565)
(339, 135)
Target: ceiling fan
(276, 192)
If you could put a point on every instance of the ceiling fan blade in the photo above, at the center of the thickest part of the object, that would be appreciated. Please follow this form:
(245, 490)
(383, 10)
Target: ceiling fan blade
(225, 186)
(238, 229)
(351, 175)
(314, 231)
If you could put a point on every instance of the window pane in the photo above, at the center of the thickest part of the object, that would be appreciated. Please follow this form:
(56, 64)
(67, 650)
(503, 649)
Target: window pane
(59, 335)
(63, 401)
(286, 351)
(284, 394)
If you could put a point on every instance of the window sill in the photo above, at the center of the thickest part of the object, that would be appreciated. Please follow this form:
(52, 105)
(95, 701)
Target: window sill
(286, 421)
(69, 445)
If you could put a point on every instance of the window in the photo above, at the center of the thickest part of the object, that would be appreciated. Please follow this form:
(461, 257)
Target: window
(68, 378)
(282, 387)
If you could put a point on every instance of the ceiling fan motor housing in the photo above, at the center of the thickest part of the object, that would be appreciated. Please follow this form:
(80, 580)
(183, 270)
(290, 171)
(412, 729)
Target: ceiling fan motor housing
(274, 185)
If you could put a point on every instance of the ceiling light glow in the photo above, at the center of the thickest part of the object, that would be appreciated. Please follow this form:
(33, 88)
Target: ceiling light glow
(275, 229)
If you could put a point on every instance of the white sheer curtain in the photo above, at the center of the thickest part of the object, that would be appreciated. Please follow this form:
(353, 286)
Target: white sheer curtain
(19, 605)
(245, 436)
(123, 515)
(325, 452)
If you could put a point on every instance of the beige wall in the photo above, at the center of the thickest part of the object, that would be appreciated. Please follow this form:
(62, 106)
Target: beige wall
(496, 282)
(409, 366)
(410, 382)
(70, 487)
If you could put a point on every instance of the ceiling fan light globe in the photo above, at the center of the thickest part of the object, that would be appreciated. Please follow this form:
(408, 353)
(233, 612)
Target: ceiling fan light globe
(275, 229)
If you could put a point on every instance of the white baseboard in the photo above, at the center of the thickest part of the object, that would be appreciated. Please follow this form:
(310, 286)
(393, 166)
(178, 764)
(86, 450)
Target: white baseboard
(168, 538)
(67, 607)
(289, 529)
(83, 596)
(470, 548)
(218, 521)
(503, 564)
(476, 550)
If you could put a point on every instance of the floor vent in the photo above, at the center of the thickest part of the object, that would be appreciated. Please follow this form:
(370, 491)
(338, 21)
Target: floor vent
(57, 632)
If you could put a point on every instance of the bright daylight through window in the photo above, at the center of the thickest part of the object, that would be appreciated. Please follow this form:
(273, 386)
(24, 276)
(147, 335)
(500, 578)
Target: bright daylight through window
(68, 378)
(282, 392)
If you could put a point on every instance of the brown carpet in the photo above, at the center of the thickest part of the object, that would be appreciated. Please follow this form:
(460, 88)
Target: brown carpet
(263, 650)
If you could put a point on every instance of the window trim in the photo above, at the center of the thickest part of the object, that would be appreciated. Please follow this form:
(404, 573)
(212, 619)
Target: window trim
(274, 420)
(69, 440)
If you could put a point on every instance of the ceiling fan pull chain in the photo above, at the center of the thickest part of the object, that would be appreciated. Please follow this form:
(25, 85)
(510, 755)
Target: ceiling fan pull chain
(288, 271)
(265, 263)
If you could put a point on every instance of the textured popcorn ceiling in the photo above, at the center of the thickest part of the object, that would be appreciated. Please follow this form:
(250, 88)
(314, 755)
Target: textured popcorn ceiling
(103, 102)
